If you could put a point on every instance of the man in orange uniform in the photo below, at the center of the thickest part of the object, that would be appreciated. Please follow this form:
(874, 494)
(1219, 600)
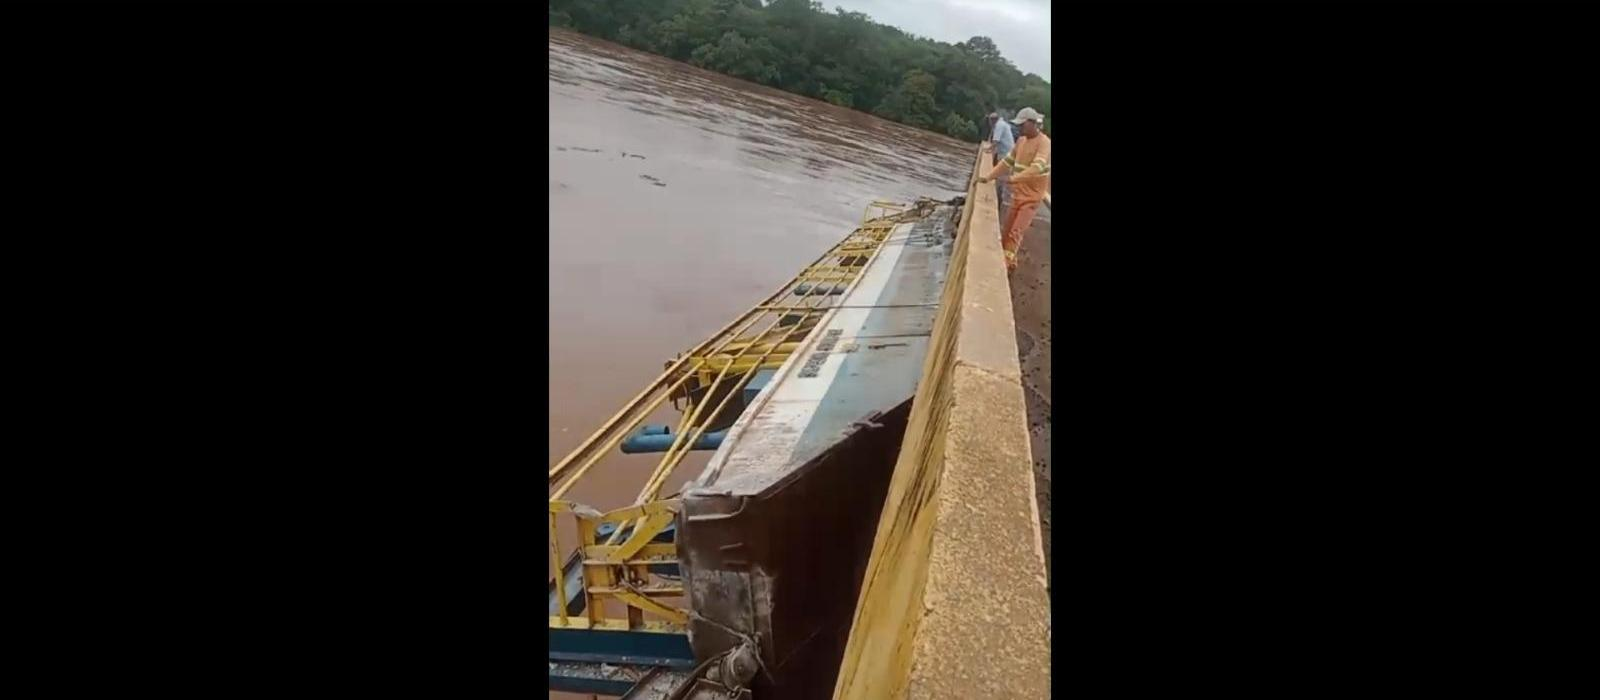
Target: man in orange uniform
(1029, 166)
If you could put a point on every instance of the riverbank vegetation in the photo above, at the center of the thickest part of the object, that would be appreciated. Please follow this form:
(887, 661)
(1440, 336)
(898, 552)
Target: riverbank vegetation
(842, 57)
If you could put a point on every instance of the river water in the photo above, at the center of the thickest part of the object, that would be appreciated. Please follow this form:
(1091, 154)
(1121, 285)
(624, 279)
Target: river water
(679, 198)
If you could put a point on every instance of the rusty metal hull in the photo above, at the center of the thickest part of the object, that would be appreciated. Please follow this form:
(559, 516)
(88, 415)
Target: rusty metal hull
(785, 566)
(775, 535)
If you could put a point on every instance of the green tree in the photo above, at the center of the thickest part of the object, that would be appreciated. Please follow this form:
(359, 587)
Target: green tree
(982, 47)
(911, 103)
(837, 97)
(960, 127)
(840, 57)
(1037, 96)
(736, 56)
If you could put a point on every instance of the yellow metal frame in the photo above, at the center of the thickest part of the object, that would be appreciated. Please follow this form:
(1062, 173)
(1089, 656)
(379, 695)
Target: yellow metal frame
(619, 571)
(718, 367)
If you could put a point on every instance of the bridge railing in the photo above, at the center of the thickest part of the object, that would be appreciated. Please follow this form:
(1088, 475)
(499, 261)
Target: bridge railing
(954, 603)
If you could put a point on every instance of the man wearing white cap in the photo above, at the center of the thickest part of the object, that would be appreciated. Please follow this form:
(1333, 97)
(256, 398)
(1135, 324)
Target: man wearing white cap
(1029, 166)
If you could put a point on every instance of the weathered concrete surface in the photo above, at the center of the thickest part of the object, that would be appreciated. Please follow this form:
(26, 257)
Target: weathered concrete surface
(955, 602)
(1030, 300)
(986, 627)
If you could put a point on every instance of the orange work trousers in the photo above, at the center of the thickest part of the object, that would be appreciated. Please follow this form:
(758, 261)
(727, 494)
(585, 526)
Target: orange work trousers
(1016, 223)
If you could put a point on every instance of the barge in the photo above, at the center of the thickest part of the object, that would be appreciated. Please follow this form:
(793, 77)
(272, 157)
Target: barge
(744, 584)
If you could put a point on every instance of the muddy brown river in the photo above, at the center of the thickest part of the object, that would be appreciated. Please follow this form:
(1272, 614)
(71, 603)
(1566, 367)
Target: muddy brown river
(679, 198)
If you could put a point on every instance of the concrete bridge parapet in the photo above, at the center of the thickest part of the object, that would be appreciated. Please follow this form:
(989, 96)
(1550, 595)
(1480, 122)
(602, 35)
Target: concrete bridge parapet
(955, 603)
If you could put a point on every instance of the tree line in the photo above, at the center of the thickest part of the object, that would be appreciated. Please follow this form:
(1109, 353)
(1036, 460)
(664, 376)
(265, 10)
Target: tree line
(841, 57)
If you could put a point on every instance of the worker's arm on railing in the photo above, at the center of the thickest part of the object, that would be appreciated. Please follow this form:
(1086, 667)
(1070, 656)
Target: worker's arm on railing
(1037, 168)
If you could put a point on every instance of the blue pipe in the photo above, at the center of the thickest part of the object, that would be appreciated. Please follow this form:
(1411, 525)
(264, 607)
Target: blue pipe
(641, 441)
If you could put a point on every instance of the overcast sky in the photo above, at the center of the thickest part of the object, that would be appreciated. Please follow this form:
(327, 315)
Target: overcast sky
(1021, 28)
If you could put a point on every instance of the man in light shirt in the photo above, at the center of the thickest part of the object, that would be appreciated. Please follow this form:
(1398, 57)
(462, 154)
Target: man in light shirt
(998, 134)
(998, 138)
